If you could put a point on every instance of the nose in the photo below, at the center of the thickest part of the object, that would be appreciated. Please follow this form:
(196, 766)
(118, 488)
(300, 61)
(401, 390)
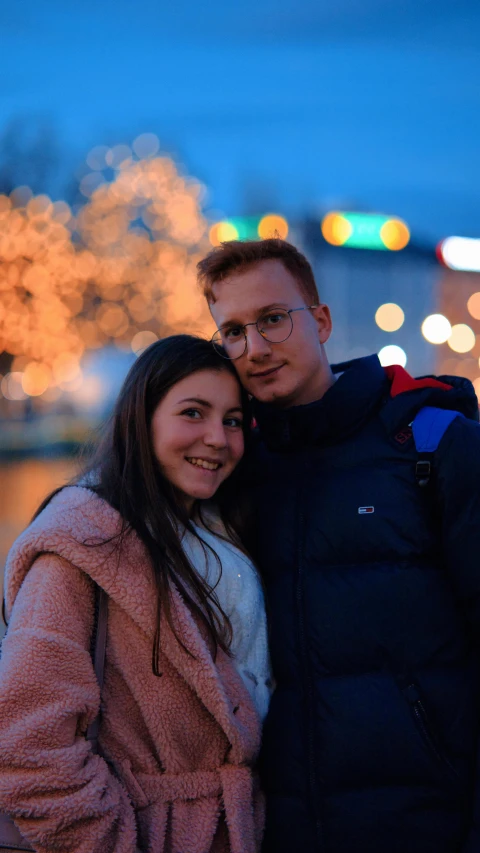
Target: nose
(215, 434)
(257, 346)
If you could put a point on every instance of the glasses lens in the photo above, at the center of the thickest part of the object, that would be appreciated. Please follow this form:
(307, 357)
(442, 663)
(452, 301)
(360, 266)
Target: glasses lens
(275, 326)
(229, 343)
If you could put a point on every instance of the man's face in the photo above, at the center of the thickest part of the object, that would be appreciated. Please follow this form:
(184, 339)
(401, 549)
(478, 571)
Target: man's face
(291, 373)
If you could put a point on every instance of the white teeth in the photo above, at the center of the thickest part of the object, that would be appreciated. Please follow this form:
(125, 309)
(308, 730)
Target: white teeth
(202, 463)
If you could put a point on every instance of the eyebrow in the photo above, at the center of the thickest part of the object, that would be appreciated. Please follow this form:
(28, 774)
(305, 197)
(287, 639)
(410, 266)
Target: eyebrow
(260, 312)
(207, 404)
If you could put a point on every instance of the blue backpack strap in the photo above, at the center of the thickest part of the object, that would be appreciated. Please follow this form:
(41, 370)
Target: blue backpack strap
(429, 427)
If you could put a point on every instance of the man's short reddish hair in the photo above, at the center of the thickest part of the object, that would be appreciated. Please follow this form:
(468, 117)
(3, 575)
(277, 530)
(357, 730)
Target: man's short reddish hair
(237, 255)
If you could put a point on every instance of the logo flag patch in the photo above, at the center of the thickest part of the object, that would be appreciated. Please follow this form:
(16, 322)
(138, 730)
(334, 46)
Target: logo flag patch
(363, 510)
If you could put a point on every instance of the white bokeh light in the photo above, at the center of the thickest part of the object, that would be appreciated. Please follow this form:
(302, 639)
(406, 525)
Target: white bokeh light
(461, 253)
(436, 329)
(392, 354)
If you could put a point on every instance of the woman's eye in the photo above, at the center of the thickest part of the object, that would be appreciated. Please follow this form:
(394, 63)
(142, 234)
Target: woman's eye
(192, 413)
(234, 422)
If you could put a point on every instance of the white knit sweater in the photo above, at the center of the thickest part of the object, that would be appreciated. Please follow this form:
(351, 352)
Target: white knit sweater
(240, 595)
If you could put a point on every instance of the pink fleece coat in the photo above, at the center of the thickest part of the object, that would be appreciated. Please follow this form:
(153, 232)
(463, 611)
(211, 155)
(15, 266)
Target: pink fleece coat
(177, 751)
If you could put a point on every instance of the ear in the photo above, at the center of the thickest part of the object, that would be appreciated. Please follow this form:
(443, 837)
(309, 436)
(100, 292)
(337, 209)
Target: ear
(321, 313)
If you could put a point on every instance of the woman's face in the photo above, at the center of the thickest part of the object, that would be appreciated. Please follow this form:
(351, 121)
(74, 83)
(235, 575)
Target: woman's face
(197, 433)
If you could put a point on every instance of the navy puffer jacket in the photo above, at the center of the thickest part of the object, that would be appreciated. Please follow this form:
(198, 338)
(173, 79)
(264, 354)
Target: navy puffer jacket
(370, 743)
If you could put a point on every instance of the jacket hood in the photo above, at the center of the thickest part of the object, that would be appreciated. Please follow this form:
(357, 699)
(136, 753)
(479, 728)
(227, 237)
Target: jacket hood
(408, 395)
(362, 387)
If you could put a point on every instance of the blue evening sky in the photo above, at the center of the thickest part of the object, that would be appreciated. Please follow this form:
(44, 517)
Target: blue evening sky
(283, 104)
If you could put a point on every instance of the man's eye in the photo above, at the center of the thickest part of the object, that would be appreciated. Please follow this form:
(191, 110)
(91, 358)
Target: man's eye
(233, 333)
(272, 319)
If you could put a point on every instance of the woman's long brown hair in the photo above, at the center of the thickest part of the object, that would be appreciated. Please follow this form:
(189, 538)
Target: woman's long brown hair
(124, 472)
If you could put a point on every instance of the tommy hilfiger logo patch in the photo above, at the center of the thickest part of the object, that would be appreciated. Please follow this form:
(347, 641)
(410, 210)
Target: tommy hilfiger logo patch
(363, 510)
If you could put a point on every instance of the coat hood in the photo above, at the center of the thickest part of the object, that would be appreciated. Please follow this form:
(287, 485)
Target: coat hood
(82, 528)
(362, 387)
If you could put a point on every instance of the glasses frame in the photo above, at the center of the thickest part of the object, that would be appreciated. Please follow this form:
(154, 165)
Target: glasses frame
(288, 311)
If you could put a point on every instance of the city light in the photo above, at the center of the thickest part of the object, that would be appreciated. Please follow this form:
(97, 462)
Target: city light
(272, 225)
(462, 338)
(336, 229)
(392, 354)
(365, 231)
(389, 317)
(395, 234)
(460, 253)
(473, 305)
(222, 232)
(249, 228)
(436, 329)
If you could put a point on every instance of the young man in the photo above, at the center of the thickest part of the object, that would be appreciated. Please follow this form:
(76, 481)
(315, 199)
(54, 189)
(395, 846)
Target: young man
(370, 553)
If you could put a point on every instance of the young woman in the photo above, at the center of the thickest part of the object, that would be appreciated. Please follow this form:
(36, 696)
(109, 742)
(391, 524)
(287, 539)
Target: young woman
(187, 677)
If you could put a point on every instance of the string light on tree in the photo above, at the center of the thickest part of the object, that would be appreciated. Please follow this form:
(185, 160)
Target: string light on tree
(142, 340)
(125, 266)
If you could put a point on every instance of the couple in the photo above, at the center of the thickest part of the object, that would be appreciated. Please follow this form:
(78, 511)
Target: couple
(366, 542)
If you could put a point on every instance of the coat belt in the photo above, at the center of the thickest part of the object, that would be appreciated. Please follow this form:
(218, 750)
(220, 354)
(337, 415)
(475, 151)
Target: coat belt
(233, 783)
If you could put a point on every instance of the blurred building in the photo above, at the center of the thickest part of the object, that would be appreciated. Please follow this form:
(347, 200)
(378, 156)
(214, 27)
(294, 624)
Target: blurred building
(356, 282)
(457, 297)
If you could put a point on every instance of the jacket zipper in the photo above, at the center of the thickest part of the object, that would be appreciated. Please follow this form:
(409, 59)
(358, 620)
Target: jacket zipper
(423, 725)
(312, 775)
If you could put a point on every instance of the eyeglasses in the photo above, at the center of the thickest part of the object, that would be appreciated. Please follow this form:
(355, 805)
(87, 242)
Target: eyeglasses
(274, 326)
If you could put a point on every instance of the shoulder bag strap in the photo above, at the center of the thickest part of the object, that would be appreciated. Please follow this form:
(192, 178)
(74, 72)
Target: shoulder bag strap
(98, 646)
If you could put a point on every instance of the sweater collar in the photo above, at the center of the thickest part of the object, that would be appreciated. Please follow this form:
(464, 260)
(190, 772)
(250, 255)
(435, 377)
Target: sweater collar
(360, 387)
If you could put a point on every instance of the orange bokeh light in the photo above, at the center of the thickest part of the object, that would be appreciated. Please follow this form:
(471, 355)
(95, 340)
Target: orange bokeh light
(473, 305)
(395, 234)
(273, 225)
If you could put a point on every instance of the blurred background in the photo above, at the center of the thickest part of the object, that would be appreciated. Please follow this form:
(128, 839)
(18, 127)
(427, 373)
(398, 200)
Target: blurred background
(134, 136)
